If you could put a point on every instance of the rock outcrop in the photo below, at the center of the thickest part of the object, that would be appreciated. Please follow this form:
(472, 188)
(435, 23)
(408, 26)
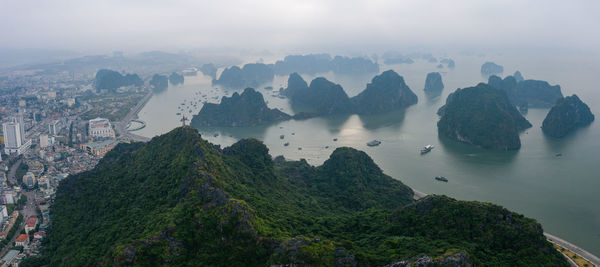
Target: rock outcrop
(176, 78)
(449, 62)
(323, 97)
(111, 80)
(538, 93)
(483, 117)
(247, 109)
(568, 114)
(250, 75)
(295, 84)
(457, 259)
(518, 76)
(385, 92)
(159, 82)
(209, 70)
(320, 63)
(433, 83)
(527, 93)
(491, 68)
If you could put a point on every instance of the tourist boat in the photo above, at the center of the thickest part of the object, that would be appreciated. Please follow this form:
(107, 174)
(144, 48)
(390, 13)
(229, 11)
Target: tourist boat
(426, 149)
(441, 178)
(374, 143)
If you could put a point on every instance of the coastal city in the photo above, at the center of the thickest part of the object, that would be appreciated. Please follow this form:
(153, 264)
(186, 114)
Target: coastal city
(57, 124)
(53, 126)
(299, 133)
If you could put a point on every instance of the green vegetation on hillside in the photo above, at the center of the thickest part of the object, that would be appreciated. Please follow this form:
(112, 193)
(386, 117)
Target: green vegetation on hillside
(247, 109)
(322, 97)
(385, 92)
(491, 68)
(482, 116)
(111, 80)
(567, 115)
(250, 75)
(433, 83)
(295, 84)
(176, 78)
(179, 200)
(159, 82)
(527, 93)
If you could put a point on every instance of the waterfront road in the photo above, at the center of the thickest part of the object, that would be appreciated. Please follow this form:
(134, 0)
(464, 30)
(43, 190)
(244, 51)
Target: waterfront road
(581, 252)
(121, 126)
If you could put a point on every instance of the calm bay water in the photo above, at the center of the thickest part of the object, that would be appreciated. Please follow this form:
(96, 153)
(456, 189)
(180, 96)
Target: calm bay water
(560, 192)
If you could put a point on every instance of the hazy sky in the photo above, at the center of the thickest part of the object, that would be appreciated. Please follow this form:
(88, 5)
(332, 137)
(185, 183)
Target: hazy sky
(105, 25)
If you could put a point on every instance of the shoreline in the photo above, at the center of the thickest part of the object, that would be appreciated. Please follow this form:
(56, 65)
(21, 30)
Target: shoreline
(121, 126)
(551, 238)
(573, 248)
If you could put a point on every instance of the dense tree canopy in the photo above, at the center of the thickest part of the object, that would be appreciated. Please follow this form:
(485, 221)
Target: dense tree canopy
(179, 200)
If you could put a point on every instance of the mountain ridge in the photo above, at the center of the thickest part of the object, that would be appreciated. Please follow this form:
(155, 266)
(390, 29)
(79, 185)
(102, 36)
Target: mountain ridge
(180, 200)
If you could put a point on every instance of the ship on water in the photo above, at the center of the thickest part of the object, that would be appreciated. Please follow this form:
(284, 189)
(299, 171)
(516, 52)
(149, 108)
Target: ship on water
(374, 143)
(426, 149)
(441, 179)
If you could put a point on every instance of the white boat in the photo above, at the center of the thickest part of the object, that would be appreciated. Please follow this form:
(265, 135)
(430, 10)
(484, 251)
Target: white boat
(426, 149)
(374, 143)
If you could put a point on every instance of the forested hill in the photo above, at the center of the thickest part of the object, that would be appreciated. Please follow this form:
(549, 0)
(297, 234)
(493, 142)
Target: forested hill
(482, 116)
(179, 200)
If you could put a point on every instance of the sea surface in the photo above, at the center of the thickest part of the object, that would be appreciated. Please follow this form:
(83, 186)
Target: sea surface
(561, 192)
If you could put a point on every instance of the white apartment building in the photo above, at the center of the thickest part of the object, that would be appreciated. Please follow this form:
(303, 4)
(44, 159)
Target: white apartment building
(12, 137)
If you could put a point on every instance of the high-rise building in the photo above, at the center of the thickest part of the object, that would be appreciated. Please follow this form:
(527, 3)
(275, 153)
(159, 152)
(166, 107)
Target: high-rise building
(44, 140)
(19, 119)
(54, 127)
(12, 137)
